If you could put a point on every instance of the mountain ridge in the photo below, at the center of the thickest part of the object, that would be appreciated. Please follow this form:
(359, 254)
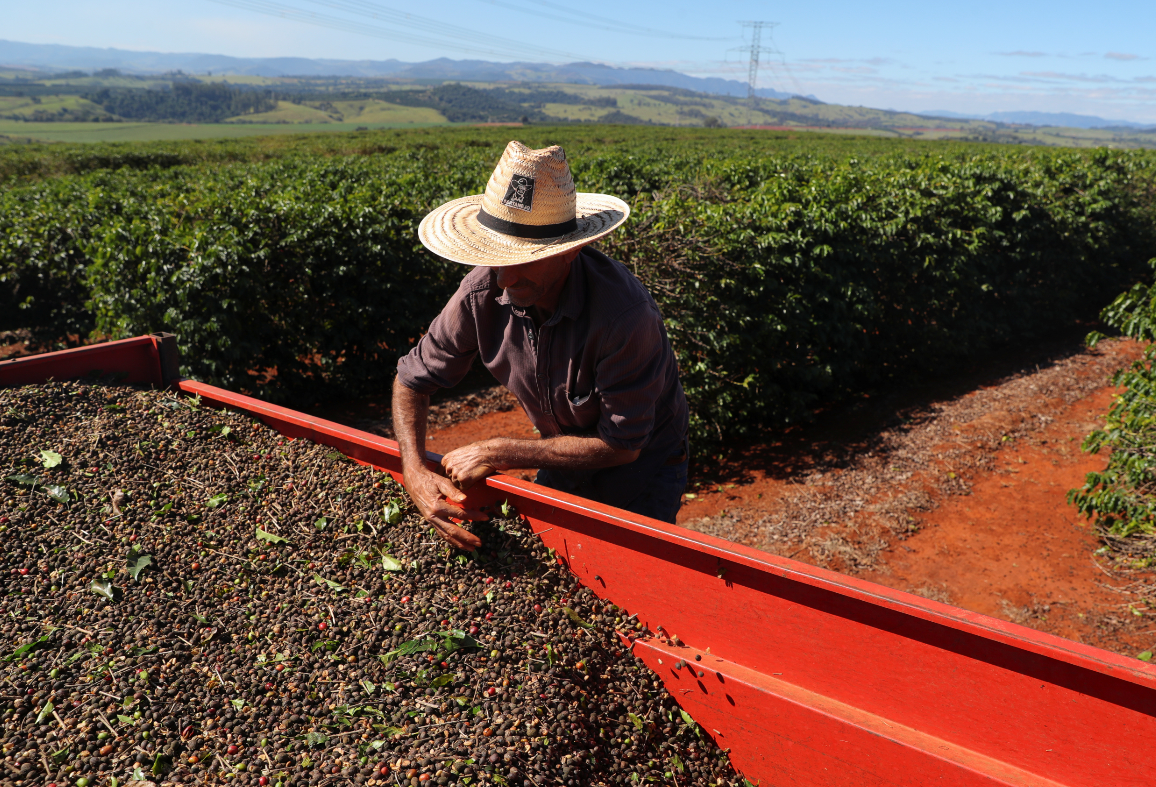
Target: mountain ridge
(1064, 119)
(62, 58)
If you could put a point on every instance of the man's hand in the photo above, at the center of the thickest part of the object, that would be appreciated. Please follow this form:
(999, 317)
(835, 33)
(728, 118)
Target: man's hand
(471, 463)
(437, 500)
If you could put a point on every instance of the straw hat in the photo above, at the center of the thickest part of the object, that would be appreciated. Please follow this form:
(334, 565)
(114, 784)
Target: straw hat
(529, 211)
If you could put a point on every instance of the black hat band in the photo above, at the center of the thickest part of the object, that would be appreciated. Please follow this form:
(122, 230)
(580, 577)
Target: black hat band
(529, 231)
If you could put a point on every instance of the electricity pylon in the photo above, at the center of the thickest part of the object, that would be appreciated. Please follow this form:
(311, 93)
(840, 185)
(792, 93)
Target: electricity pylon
(754, 49)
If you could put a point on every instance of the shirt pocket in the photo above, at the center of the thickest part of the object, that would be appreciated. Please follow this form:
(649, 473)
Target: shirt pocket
(585, 408)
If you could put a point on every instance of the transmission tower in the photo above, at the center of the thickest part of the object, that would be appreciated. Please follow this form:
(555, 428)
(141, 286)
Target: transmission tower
(754, 49)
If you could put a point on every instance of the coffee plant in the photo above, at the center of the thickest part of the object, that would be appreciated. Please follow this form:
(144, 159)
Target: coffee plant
(789, 276)
(1121, 500)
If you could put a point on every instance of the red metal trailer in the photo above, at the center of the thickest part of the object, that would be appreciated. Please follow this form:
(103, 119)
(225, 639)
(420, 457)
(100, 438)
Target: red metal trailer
(808, 677)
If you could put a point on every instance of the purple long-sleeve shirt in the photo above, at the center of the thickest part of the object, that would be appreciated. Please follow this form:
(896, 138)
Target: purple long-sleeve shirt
(602, 364)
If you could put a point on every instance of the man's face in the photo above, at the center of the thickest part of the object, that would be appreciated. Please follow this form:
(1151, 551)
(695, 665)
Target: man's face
(525, 284)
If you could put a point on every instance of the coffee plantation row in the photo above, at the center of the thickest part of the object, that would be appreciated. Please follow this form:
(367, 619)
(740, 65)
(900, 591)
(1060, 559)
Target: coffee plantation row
(1121, 500)
(789, 275)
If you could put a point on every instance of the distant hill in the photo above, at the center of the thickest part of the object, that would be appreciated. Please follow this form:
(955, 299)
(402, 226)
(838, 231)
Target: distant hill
(56, 57)
(1063, 119)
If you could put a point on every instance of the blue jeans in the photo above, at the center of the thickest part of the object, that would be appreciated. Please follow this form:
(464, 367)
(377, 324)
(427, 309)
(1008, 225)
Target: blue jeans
(660, 498)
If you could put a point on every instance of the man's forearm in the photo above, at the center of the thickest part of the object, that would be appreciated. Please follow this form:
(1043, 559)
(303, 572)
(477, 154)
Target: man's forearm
(410, 414)
(577, 452)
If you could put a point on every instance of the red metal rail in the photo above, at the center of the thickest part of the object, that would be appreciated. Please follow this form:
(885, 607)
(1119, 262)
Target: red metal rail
(807, 676)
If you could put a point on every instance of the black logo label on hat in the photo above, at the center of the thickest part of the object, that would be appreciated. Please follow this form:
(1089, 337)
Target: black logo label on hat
(520, 194)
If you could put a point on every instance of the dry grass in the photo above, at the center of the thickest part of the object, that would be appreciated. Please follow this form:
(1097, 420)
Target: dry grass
(934, 593)
(848, 507)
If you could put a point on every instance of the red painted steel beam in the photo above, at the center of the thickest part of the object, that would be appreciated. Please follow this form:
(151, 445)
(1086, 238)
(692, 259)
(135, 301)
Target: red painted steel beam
(809, 739)
(840, 655)
(142, 359)
(834, 680)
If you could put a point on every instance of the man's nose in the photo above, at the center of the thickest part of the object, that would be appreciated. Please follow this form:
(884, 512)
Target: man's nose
(506, 277)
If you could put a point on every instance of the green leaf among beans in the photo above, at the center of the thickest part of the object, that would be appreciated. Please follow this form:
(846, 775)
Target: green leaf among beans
(28, 647)
(45, 711)
(320, 580)
(264, 535)
(575, 617)
(687, 718)
(50, 459)
(58, 493)
(105, 589)
(390, 563)
(26, 480)
(392, 513)
(217, 500)
(137, 563)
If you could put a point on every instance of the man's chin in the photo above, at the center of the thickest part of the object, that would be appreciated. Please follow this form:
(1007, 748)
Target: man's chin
(524, 302)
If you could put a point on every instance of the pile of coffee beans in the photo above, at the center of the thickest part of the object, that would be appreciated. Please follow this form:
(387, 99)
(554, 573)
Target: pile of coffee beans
(190, 597)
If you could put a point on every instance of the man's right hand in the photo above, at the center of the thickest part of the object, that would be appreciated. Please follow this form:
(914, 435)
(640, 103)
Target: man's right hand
(437, 499)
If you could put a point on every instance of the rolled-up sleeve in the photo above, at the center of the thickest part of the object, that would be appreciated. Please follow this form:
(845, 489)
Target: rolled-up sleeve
(444, 355)
(631, 375)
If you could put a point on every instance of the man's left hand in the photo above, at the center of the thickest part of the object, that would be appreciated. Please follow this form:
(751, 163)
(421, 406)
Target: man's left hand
(469, 464)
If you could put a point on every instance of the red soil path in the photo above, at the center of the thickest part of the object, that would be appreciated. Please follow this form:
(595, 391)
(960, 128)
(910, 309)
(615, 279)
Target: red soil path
(1013, 548)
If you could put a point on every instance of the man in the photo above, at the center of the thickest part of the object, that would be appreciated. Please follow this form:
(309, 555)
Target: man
(568, 330)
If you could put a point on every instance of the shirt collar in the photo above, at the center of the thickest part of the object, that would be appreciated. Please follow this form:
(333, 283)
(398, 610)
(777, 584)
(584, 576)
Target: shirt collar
(570, 302)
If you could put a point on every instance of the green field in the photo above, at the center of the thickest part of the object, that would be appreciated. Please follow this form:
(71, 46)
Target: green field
(79, 148)
(28, 108)
(16, 131)
(362, 112)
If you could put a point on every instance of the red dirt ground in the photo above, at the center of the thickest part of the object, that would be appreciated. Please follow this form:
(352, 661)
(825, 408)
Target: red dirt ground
(1014, 549)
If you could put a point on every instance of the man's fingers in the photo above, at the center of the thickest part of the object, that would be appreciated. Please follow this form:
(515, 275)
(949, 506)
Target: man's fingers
(446, 509)
(465, 479)
(449, 491)
(459, 537)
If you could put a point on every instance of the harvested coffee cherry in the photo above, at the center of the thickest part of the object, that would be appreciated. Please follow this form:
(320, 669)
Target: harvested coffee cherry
(361, 649)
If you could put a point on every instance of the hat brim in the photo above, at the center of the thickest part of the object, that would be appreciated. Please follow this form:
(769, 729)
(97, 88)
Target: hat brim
(453, 231)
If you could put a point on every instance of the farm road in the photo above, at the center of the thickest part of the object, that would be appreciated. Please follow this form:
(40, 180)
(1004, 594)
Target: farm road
(955, 491)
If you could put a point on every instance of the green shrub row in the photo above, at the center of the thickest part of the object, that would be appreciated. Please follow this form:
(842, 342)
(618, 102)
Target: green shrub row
(1121, 500)
(786, 280)
(787, 283)
(25, 163)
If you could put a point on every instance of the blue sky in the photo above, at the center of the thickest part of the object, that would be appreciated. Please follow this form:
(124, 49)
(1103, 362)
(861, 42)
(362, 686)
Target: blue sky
(978, 57)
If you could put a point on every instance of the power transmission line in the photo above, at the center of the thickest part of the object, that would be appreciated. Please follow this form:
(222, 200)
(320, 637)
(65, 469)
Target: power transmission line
(586, 21)
(473, 42)
(381, 12)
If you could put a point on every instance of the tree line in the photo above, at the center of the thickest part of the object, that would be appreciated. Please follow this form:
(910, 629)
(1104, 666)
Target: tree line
(184, 102)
